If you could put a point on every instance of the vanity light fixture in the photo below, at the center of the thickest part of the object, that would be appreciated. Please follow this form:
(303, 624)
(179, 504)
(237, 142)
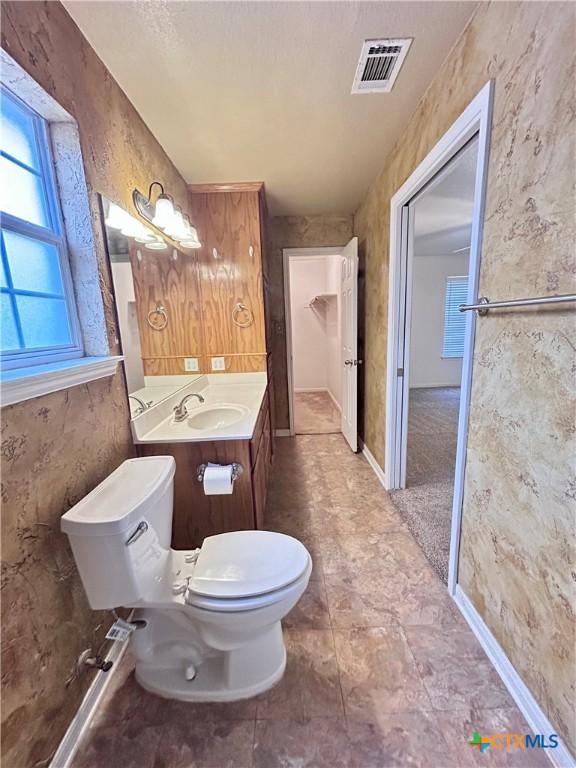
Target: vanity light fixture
(117, 217)
(165, 216)
(156, 245)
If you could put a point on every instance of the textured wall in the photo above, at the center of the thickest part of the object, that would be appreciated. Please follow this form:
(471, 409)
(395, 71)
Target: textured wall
(293, 232)
(56, 448)
(518, 523)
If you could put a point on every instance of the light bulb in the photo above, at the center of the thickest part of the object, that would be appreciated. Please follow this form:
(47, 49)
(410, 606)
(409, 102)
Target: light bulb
(163, 213)
(191, 240)
(134, 228)
(156, 245)
(117, 217)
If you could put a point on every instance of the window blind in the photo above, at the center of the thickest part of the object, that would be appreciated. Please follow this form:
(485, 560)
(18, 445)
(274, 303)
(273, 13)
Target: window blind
(454, 320)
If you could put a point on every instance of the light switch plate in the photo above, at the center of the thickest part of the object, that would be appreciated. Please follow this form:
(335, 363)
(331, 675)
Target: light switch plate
(218, 364)
(191, 364)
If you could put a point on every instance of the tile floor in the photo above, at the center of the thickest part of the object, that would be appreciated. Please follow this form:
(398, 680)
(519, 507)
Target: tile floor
(382, 670)
(426, 502)
(315, 413)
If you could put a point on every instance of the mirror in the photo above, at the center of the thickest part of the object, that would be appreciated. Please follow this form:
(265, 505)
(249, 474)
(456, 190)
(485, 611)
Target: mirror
(158, 308)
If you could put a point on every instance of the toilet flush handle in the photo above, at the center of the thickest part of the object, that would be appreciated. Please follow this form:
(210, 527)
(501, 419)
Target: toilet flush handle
(140, 530)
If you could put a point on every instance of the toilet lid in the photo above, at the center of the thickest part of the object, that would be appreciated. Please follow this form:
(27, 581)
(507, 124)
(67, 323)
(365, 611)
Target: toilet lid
(247, 563)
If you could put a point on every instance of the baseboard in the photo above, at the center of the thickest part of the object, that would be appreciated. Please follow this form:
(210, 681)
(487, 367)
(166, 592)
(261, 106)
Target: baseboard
(282, 433)
(68, 746)
(336, 403)
(378, 471)
(527, 704)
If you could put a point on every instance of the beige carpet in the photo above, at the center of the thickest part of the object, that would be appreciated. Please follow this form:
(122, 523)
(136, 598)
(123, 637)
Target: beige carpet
(315, 414)
(426, 502)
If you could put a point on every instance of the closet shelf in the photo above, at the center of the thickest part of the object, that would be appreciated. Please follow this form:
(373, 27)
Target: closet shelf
(322, 297)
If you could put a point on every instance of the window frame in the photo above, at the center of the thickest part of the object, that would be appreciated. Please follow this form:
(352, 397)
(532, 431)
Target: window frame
(444, 355)
(54, 235)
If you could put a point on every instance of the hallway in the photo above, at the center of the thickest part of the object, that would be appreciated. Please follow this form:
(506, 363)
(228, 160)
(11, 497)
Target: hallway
(382, 670)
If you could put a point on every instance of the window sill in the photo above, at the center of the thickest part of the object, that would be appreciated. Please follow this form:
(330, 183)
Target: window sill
(26, 383)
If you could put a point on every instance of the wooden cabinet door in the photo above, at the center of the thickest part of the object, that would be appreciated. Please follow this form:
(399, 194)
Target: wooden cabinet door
(168, 278)
(230, 263)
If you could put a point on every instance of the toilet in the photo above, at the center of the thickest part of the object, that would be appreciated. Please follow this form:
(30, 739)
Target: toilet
(209, 620)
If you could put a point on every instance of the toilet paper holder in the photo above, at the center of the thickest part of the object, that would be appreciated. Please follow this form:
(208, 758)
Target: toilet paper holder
(237, 470)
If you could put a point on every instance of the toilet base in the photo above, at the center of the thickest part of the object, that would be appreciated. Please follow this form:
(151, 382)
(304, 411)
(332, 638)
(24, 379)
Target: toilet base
(226, 676)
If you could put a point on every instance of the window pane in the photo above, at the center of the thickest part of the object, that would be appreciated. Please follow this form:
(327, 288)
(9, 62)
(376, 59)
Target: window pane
(9, 334)
(21, 193)
(34, 265)
(3, 282)
(44, 321)
(18, 138)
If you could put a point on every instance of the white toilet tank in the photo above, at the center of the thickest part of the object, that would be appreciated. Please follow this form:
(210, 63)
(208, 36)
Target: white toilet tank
(120, 532)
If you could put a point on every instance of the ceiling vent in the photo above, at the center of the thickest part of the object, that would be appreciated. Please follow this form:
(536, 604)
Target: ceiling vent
(379, 65)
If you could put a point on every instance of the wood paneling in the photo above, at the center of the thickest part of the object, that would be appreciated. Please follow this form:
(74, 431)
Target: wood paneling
(195, 514)
(169, 278)
(173, 366)
(166, 366)
(229, 225)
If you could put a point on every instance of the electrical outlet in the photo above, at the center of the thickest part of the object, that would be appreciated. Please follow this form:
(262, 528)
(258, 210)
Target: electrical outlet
(191, 364)
(218, 364)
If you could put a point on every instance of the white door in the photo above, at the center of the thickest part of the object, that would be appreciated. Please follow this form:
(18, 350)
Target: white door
(349, 337)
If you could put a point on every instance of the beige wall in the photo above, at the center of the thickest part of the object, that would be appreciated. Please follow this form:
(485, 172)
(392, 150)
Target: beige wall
(292, 232)
(518, 522)
(58, 447)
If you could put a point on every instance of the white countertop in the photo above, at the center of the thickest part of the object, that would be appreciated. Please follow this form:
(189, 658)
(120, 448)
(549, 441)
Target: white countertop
(241, 392)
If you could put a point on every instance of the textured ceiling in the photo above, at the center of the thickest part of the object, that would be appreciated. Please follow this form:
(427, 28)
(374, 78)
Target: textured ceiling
(249, 91)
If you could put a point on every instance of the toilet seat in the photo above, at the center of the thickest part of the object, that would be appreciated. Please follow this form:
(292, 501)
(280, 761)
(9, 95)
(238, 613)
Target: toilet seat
(236, 605)
(246, 569)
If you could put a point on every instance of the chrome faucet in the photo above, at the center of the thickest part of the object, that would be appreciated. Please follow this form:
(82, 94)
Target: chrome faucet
(180, 412)
(142, 406)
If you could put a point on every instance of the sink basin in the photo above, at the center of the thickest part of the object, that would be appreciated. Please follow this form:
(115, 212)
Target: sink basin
(217, 417)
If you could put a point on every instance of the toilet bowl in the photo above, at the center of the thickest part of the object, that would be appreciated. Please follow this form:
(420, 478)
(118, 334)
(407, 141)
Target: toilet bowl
(209, 619)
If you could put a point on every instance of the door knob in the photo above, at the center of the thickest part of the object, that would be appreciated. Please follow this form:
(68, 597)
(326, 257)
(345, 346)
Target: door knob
(348, 362)
(358, 362)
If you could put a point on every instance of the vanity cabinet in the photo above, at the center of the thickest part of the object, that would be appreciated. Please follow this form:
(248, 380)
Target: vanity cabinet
(197, 515)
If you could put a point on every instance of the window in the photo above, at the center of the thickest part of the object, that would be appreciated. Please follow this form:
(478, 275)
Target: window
(454, 320)
(39, 322)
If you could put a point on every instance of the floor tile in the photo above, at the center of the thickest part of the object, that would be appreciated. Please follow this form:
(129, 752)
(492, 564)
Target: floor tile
(311, 611)
(205, 745)
(311, 685)
(458, 727)
(456, 671)
(378, 673)
(359, 601)
(408, 739)
(114, 746)
(316, 743)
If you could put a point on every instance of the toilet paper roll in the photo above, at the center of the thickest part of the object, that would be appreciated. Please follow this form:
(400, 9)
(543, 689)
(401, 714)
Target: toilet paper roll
(218, 480)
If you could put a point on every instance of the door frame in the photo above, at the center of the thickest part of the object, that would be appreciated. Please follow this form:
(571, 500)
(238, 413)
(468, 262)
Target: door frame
(476, 119)
(287, 254)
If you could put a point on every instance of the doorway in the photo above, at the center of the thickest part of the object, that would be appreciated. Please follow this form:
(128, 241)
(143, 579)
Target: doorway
(436, 225)
(439, 233)
(321, 304)
(315, 332)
